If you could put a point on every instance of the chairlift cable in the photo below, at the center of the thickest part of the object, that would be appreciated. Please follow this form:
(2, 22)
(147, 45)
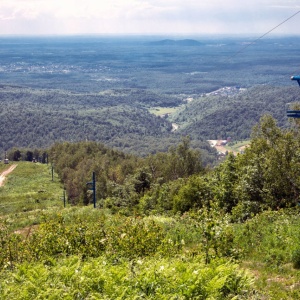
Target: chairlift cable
(262, 36)
(293, 114)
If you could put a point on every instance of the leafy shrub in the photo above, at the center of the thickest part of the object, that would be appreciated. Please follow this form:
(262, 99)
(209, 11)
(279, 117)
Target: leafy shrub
(116, 237)
(149, 278)
(245, 210)
(195, 194)
(216, 232)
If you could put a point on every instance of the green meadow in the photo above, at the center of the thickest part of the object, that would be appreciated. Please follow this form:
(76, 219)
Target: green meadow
(28, 190)
(161, 111)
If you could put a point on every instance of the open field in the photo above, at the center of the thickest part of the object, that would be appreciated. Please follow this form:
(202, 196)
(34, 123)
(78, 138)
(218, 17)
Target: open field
(163, 111)
(29, 187)
(223, 146)
(238, 146)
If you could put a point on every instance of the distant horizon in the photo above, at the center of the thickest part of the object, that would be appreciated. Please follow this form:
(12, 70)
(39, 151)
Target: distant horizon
(148, 17)
(158, 35)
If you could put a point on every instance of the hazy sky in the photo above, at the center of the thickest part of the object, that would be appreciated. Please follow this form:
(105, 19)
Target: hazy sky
(147, 16)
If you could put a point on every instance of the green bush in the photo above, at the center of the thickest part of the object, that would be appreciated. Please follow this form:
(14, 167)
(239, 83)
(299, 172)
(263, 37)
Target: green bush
(149, 278)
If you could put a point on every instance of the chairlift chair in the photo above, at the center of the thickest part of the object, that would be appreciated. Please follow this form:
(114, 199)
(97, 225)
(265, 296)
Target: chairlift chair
(297, 77)
(294, 113)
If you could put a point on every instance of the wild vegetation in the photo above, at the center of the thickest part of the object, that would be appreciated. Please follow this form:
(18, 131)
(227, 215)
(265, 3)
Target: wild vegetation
(265, 176)
(163, 229)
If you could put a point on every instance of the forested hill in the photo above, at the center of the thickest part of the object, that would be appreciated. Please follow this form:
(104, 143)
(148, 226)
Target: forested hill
(119, 118)
(169, 42)
(220, 116)
(38, 118)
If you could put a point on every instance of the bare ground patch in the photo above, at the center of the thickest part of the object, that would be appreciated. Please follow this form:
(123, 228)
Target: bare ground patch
(5, 173)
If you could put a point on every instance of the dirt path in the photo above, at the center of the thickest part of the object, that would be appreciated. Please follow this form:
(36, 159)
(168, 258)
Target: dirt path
(5, 173)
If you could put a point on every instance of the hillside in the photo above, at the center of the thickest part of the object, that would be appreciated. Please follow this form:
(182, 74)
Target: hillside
(164, 229)
(121, 118)
(29, 187)
(221, 116)
(35, 118)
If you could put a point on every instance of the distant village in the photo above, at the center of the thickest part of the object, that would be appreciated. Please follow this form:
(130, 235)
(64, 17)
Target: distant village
(226, 91)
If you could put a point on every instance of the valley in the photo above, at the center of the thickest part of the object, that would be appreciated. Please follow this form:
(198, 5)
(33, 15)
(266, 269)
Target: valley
(127, 92)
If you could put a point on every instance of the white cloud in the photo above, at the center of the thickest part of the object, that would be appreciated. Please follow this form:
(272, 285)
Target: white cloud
(144, 16)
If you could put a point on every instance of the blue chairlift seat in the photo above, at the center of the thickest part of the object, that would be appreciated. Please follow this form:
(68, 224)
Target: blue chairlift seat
(297, 77)
(294, 113)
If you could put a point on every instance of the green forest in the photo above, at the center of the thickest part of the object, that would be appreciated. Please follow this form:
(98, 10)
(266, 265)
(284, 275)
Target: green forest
(165, 226)
(221, 116)
(121, 118)
(36, 118)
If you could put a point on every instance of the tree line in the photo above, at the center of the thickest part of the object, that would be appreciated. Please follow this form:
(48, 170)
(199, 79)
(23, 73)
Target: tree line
(265, 176)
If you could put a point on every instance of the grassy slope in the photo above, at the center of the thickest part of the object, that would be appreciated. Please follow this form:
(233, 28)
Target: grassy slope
(29, 188)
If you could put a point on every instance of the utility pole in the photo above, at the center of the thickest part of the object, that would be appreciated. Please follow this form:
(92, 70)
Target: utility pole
(52, 171)
(64, 197)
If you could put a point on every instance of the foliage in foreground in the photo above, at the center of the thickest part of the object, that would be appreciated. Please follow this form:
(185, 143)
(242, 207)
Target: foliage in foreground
(90, 234)
(176, 278)
(83, 253)
(272, 237)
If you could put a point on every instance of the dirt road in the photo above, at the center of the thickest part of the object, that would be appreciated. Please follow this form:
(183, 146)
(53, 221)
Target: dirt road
(5, 173)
